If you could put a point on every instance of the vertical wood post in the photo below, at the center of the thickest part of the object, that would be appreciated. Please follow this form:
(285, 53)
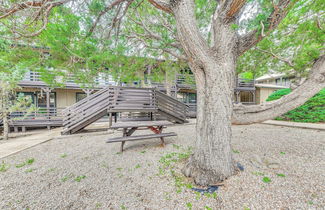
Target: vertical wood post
(237, 97)
(110, 119)
(48, 90)
(123, 142)
(88, 91)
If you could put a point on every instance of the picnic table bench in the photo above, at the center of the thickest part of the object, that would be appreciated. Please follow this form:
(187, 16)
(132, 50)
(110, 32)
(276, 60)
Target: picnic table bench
(130, 127)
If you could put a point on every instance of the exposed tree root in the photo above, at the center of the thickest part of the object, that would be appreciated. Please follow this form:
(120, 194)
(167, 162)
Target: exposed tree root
(205, 177)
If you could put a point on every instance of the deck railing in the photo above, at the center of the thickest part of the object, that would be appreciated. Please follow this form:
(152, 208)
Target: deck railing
(245, 83)
(39, 113)
(70, 79)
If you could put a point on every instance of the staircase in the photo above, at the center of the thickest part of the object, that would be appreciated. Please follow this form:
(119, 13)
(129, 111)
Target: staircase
(86, 111)
(148, 101)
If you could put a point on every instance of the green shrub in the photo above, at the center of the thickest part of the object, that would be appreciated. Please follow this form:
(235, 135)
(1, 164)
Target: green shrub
(278, 94)
(312, 111)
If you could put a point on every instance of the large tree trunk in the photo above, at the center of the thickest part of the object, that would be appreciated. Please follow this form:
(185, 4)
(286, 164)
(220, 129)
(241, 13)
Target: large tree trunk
(212, 159)
(214, 73)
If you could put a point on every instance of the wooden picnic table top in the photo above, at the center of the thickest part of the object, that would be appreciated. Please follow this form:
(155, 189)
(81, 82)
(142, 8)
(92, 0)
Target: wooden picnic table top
(140, 124)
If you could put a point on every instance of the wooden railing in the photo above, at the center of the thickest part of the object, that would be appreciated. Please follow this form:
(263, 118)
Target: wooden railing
(39, 113)
(245, 83)
(171, 106)
(132, 98)
(122, 99)
(86, 109)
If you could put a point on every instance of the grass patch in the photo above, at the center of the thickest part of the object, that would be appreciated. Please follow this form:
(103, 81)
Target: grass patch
(29, 170)
(235, 151)
(266, 179)
(257, 173)
(30, 161)
(281, 175)
(176, 146)
(4, 167)
(27, 162)
(138, 166)
(79, 178)
(65, 178)
(63, 155)
(168, 162)
(19, 165)
(142, 152)
(189, 205)
(282, 153)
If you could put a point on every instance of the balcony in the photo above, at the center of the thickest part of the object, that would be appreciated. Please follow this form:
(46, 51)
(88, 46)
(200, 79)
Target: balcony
(245, 84)
(33, 79)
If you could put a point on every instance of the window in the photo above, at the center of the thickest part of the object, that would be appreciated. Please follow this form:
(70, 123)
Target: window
(187, 97)
(80, 96)
(192, 98)
(278, 81)
(29, 95)
(41, 99)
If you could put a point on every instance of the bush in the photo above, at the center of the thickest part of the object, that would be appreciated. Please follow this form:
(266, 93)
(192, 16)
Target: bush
(312, 111)
(278, 94)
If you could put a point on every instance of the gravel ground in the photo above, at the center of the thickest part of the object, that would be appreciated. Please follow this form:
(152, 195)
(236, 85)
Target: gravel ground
(83, 172)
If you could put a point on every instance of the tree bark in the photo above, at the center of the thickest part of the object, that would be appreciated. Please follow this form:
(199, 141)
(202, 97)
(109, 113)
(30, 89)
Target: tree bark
(5, 126)
(212, 160)
(168, 85)
(214, 72)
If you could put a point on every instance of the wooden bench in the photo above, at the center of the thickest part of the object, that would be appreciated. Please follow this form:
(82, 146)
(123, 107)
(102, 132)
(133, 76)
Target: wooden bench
(130, 127)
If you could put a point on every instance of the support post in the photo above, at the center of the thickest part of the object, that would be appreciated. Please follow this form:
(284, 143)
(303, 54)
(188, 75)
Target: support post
(110, 119)
(237, 97)
(88, 91)
(48, 90)
(123, 142)
(254, 97)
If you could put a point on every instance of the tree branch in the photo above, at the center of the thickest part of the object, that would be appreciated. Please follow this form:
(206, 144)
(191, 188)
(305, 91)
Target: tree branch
(259, 113)
(162, 5)
(235, 7)
(106, 9)
(288, 62)
(153, 35)
(194, 45)
(31, 4)
(252, 38)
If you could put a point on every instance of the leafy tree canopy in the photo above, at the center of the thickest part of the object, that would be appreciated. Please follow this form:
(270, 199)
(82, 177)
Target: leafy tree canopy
(81, 40)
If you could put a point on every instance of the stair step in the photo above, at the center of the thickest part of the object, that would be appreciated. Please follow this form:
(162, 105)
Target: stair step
(140, 137)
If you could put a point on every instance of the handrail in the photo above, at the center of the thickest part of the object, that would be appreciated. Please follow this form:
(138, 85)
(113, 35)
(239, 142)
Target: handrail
(87, 99)
(119, 99)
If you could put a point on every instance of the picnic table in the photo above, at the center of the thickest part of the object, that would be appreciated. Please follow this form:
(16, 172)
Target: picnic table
(130, 127)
